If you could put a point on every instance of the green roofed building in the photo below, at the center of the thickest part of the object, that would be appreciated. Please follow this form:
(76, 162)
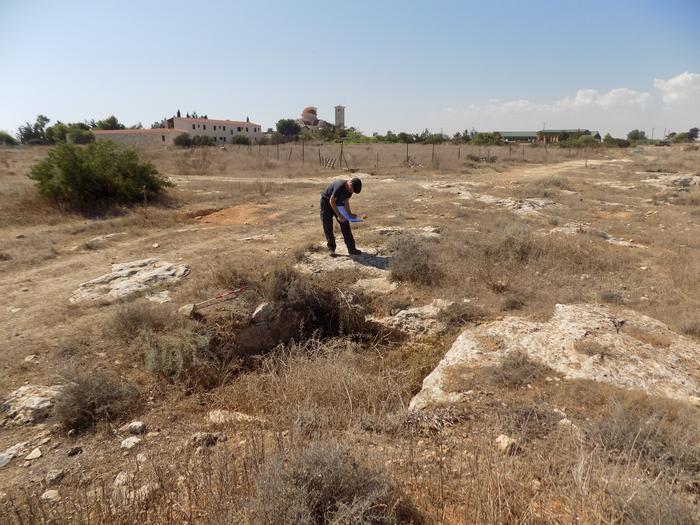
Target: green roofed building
(518, 136)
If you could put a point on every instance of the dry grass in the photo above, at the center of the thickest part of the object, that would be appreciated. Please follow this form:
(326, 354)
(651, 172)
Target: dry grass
(317, 386)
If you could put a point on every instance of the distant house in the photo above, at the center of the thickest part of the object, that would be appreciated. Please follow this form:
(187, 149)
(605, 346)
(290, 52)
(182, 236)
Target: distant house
(518, 136)
(222, 131)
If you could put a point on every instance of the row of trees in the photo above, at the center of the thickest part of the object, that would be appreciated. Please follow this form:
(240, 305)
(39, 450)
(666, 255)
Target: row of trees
(639, 137)
(40, 133)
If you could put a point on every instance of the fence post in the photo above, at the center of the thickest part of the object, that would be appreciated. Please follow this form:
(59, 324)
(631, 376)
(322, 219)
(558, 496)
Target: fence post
(523, 152)
(340, 159)
(509, 146)
(432, 158)
(302, 151)
(376, 166)
(278, 152)
(406, 152)
(459, 152)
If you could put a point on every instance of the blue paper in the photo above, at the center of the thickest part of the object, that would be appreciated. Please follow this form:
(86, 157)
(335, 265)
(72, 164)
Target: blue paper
(345, 214)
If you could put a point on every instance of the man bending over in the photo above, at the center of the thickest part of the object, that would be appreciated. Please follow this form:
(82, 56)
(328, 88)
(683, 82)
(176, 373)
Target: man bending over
(338, 193)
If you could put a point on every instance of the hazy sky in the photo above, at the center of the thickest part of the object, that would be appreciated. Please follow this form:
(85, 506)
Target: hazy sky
(509, 65)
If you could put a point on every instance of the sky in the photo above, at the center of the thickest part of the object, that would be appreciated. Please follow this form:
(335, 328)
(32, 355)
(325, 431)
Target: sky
(448, 66)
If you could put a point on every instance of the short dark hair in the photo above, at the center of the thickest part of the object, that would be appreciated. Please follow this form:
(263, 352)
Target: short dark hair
(356, 185)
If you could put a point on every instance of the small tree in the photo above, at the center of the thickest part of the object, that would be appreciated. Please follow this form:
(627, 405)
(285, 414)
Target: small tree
(7, 140)
(288, 127)
(636, 135)
(487, 139)
(102, 172)
(203, 140)
(183, 140)
(693, 133)
(80, 136)
(109, 123)
(34, 133)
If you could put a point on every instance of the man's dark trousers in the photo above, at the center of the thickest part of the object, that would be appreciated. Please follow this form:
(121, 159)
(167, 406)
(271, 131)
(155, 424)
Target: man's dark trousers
(327, 217)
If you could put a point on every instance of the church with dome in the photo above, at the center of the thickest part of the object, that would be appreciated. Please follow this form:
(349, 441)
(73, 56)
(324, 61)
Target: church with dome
(309, 118)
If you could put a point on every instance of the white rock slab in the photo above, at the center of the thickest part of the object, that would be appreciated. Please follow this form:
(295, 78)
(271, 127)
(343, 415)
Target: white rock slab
(129, 278)
(640, 353)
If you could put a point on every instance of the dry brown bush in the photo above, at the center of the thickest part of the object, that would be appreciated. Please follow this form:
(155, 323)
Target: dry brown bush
(413, 260)
(89, 398)
(517, 369)
(324, 484)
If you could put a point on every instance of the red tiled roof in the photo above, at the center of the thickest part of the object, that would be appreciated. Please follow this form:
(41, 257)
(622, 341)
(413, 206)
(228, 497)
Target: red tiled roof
(134, 131)
(214, 121)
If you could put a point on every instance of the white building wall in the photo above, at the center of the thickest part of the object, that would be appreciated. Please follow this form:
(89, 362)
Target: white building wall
(141, 137)
(220, 130)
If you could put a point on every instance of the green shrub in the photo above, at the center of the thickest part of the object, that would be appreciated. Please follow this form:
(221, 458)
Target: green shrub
(102, 172)
(240, 139)
(7, 140)
(486, 139)
(183, 140)
(92, 397)
(81, 136)
(203, 140)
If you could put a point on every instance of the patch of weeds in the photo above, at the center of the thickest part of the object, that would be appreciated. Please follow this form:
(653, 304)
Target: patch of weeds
(691, 327)
(661, 433)
(323, 483)
(512, 302)
(131, 319)
(300, 252)
(611, 297)
(413, 260)
(188, 358)
(92, 397)
(529, 422)
(323, 309)
(460, 314)
(516, 369)
(591, 348)
(416, 422)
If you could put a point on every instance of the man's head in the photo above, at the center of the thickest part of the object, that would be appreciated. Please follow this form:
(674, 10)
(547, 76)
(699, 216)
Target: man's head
(356, 185)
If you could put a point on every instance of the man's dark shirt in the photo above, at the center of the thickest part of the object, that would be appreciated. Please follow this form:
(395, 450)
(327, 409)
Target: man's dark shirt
(338, 190)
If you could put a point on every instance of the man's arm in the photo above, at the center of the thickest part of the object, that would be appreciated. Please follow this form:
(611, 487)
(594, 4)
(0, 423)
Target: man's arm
(347, 208)
(334, 207)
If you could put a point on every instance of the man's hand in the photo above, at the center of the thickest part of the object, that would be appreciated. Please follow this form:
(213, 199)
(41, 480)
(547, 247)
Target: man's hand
(341, 219)
(353, 215)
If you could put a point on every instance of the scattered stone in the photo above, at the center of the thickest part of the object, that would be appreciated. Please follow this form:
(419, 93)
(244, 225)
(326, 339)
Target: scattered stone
(96, 241)
(12, 452)
(155, 245)
(187, 310)
(74, 451)
(141, 458)
(136, 427)
(159, 297)
(368, 263)
(419, 320)
(122, 479)
(129, 278)
(374, 285)
(262, 237)
(426, 232)
(51, 495)
(20, 236)
(30, 358)
(30, 404)
(222, 417)
(206, 439)
(641, 352)
(54, 477)
(268, 328)
(34, 454)
(507, 444)
(130, 442)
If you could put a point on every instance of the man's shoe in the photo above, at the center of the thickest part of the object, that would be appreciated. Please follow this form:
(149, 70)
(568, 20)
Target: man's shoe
(331, 253)
(355, 252)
